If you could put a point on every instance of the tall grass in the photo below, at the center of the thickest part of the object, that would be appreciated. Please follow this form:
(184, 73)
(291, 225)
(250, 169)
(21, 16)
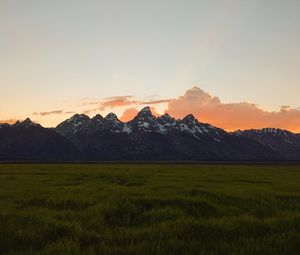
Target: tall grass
(149, 209)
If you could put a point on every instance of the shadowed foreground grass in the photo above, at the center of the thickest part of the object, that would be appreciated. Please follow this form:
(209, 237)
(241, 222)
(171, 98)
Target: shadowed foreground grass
(149, 209)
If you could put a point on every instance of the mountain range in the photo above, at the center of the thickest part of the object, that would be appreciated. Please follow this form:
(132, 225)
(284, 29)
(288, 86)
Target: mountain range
(144, 138)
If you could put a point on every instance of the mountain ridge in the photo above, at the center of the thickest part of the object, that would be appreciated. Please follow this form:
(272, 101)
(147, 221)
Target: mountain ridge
(145, 137)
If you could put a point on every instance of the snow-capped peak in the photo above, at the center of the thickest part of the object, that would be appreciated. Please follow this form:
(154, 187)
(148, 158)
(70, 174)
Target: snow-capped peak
(145, 115)
(112, 117)
(145, 112)
(98, 118)
(190, 119)
(143, 122)
(146, 109)
(166, 120)
(268, 131)
(78, 118)
(166, 116)
(275, 131)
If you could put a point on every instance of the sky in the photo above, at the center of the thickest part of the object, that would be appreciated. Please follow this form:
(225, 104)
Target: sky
(220, 60)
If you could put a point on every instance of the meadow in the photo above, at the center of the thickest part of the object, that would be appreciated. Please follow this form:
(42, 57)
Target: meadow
(118, 209)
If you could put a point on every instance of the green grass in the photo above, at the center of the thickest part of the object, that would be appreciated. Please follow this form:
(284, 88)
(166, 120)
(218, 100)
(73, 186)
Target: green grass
(149, 209)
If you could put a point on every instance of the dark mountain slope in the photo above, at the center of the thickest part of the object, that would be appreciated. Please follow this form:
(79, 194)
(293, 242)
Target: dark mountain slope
(286, 144)
(163, 138)
(146, 137)
(30, 141)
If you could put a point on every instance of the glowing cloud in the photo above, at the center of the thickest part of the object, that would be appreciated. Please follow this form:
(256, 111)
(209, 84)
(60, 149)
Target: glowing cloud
(51, 113)
(113, 102)
(205, 107)
(117, 101)
(130, 113)
(232, 116)
(8, 121)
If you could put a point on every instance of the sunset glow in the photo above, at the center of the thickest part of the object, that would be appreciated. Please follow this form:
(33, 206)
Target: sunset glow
(241, 57)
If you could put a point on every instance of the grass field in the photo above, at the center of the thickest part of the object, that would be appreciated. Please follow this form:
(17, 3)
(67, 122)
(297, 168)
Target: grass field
(149, 209)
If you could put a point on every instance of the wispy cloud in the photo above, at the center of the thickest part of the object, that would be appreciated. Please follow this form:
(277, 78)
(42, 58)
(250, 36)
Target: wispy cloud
(119, 97)
(87, 101)
(206, 108)
(9, 121)
(117, 101)
(89, 111)
(152, 102)
(51, 113)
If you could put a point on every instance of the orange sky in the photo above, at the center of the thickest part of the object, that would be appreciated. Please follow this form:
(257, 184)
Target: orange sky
(229, 116)
(232, 116)
(8, 121)
(205, 107)
(95, 57)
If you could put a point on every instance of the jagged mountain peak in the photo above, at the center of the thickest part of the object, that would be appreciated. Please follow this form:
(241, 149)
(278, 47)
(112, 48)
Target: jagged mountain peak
(74, 124)
(78, 117)
(267, 131)
(112, 117)
(145, 115)
(275, 131)
(27, 120)
(278, 140)
(166, 119)
(144, 121)
(81, 116)
(27, 123)
(153, 138)
(190, 119)
(98, 117)
(146, 111)
(166, 116)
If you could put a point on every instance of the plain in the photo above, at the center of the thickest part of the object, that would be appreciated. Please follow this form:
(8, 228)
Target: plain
(149, 209)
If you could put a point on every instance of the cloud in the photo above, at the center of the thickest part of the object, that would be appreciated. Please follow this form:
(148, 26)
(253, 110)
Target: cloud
(151, 102)
(232, 116)
(87, 101)
(90, 111)
(117, 101)
(207, 108)
(9, 121)
(119, 98)
(51, 113)
(107, 103)
(154, 112)
(130, 113)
